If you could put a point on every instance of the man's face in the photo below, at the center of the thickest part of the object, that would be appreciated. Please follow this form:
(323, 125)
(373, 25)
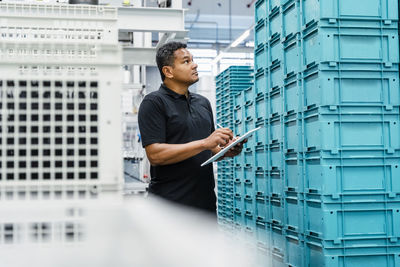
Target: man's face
(184, 69)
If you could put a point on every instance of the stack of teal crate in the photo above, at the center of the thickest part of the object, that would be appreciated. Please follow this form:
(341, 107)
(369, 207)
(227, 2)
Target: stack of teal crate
(228, 83)
(319, 185)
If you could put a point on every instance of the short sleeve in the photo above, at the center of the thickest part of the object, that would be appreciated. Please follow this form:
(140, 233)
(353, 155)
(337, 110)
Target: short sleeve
(152, 122)
(212, 115)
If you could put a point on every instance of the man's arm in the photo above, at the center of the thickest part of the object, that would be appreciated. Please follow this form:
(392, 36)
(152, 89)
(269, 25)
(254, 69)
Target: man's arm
(164, 154)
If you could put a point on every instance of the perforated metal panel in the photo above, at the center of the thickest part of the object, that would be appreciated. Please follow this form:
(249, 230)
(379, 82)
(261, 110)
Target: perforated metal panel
(60, 82)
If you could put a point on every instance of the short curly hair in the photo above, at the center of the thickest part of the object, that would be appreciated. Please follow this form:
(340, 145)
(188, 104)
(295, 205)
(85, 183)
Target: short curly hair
(165, 55)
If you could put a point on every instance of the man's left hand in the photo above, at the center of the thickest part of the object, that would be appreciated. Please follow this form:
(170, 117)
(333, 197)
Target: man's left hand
(234, 151)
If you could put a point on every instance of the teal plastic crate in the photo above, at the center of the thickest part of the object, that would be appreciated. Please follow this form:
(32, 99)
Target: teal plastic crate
(372, 10)
(275, 156)
(276, 181)
(274, 21)
(275, 129)
(290, 17)
(275, 48)
(316, 255)
(293, 98)
(352, 224)
(291, 50)
(293, 169)
(340, 131)
(261, 157)
(338, 85)
(293, 133)
(261, 82)
(276, 209)
(349, 44)
(261, 183)
(261, 136)
(275, 102)
(358, 178)
(260, 33)
(294, 212)
(260, 57)
(262, 209)
(260, 108)
(260, 10)
(276, 76)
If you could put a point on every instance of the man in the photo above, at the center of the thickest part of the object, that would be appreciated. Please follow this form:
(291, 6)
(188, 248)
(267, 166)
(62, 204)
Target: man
(178, 133)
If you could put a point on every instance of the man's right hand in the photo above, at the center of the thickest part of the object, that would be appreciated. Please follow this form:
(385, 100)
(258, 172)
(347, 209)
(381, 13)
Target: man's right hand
(219, 137)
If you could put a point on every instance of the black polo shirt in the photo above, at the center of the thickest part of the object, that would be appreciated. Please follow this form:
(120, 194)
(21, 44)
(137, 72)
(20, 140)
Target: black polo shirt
(171, 118)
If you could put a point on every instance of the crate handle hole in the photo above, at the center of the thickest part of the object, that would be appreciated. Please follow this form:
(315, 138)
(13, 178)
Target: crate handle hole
(396, 166)
(331, 212)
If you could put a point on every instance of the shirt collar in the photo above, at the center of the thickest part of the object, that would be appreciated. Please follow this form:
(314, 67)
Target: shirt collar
(175, 95)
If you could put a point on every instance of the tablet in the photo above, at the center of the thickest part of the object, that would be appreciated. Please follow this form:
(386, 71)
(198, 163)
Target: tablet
(225, 149)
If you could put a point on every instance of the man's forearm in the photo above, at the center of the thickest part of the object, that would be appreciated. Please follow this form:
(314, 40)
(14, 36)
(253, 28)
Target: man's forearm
(164, 154)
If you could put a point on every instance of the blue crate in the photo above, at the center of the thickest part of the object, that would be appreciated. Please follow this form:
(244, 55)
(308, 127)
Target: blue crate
(317, 255)
(249, 109)
(290, 17)
(364, 178)
(340, 44)
(293, 169)
(249, 223)
(275, 101)
(249, 203)
(261, 157)
(249, 180)
(238, 99)
(260, 57)
(275, 129)
(261, 136)
(352, 223)
(249, 123)
(262, 233)
(276, 209)
(261, 184)
(274, 21)
(277, 241)
(349, 131)
(260, 107)
(345, 87)
(377, 10)
(276, 76)
(248, 156)
(248, 94)
(262, 210)
(260, 10)
(276, 156)
(237, 118)
(294, 212)
(292, 133)
(291, 91)
(238, 128)
(275, 52)
(260, 33)
(295, 249)
(261, 82)
(291, 56)
(278, 258)
(238, 216)
(276, 181)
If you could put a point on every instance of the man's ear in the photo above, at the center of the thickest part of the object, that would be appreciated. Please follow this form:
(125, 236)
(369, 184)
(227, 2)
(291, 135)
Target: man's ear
(167, 70)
